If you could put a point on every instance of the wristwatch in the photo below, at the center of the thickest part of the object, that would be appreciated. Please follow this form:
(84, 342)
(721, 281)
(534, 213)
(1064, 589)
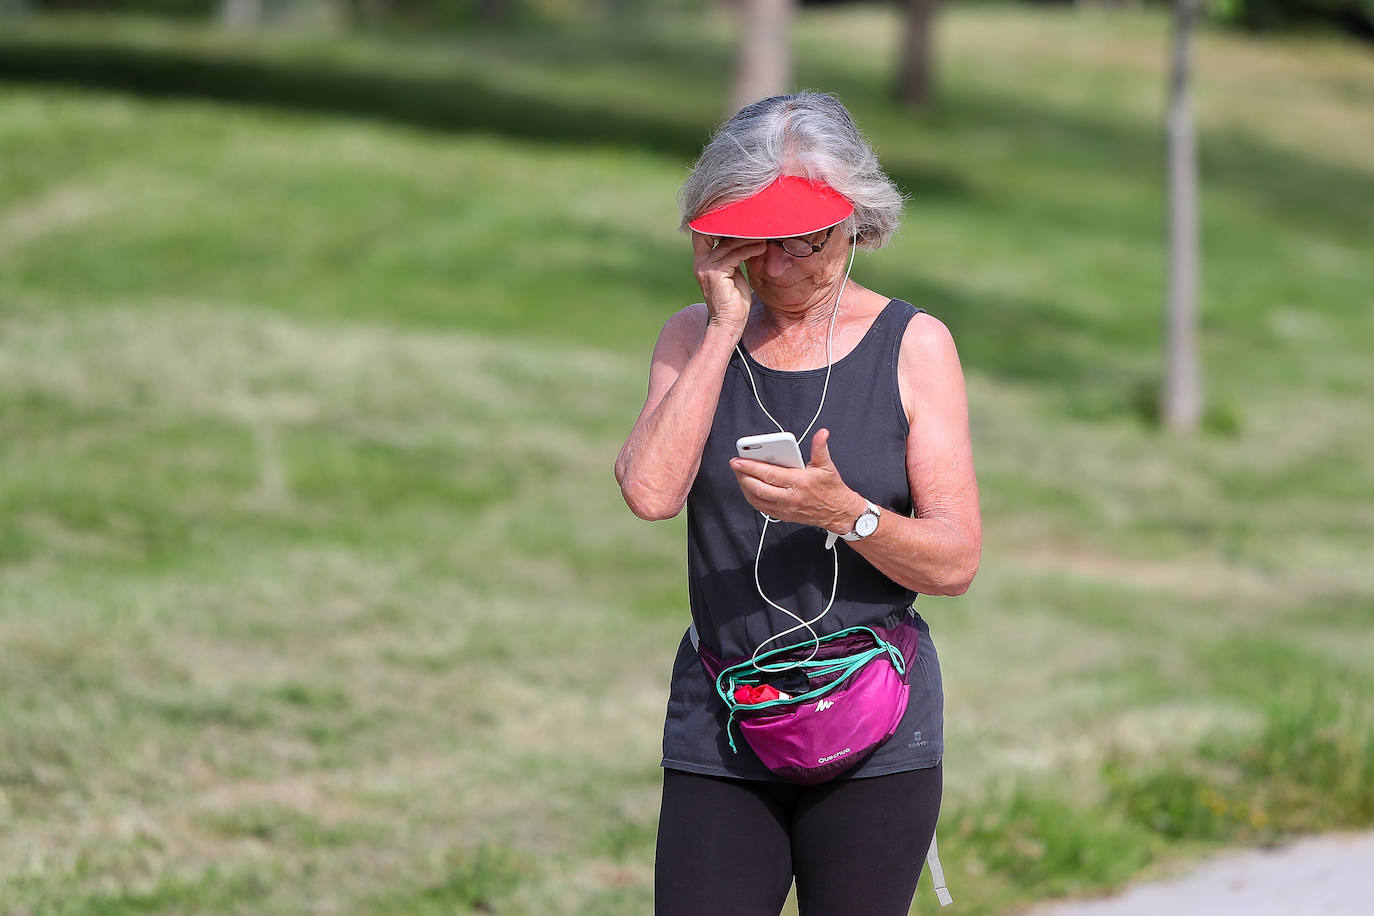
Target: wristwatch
(864, 525)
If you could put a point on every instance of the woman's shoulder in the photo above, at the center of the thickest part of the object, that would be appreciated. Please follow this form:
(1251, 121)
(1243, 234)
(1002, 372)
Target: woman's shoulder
(926, 335)
(923, 335)
(685, 327)
(691, 318)
(928, 363)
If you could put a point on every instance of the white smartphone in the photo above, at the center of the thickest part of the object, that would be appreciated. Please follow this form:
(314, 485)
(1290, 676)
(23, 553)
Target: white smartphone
(774, 448)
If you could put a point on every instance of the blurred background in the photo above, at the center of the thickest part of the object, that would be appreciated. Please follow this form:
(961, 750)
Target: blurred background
(322, 321)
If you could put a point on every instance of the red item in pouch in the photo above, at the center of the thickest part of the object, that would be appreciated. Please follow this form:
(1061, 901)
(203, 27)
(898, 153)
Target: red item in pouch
(747, 695)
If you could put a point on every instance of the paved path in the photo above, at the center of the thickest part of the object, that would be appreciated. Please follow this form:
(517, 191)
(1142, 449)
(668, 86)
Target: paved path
(1321, 876)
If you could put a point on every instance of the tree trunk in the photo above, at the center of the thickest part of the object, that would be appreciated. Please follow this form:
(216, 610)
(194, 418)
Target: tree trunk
(241, 14)
(764, 67)
(494, 12)
(1181, 390)
(915, 84)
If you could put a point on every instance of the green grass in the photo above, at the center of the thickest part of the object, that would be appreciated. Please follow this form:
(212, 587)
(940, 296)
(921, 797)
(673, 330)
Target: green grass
(316, 593)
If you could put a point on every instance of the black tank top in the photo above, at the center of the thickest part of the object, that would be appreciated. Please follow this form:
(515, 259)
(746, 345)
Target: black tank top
(868, 433)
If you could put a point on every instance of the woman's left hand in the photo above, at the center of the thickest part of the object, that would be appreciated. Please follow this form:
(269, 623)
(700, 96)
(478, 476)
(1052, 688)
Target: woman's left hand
(813, 495)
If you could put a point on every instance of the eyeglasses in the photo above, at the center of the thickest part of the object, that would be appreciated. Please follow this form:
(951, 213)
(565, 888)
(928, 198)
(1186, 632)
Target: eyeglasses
(799, 247)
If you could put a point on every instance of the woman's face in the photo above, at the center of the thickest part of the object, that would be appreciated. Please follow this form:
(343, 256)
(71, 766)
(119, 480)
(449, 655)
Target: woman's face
(782, 280)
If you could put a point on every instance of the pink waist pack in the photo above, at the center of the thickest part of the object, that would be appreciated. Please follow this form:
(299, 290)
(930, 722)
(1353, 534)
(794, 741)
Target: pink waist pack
(812, 712)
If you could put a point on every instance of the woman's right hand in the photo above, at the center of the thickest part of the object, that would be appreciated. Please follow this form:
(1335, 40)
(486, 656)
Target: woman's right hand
(719, 273)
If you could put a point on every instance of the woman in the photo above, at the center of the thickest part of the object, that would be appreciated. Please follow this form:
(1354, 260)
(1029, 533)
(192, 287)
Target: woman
(873, 390)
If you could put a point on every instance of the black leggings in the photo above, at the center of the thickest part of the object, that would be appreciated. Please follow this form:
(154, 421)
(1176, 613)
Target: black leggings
(730, 847)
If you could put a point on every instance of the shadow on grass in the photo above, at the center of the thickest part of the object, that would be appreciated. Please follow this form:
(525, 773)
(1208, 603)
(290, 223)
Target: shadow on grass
(1322, 196)
(448, 102)
(1031, 340)
(1319, 196)
(1023, 338)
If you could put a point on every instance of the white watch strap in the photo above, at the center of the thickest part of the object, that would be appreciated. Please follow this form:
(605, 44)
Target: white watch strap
(869, 509)
(831, 537)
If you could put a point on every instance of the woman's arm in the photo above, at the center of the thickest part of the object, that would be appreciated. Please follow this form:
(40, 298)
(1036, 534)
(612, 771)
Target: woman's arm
(660, 459)
(937, 552)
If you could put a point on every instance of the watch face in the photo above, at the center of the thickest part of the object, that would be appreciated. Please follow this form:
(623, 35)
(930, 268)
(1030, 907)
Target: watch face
(866, 524)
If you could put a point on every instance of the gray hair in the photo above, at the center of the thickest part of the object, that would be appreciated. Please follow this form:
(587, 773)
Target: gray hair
(810, 134)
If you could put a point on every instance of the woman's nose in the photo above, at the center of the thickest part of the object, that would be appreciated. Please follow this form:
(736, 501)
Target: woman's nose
(775, 260)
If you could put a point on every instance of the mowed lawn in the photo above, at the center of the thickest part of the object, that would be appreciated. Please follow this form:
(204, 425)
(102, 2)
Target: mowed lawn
(316, 591)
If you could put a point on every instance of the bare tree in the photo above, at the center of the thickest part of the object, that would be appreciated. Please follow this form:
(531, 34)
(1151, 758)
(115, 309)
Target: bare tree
(493, 11)
(915, 83)
(241, 14)
(1181, 389)
(764, 67)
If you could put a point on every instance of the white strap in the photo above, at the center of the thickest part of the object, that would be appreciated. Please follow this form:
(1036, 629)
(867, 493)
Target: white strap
(830, 541)
(937, 874)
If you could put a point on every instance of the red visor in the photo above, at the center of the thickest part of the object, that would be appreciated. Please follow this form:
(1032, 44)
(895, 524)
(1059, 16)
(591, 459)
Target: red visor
(790, 206)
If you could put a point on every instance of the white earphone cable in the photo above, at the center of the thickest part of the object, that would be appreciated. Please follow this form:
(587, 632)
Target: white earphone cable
(767, 520)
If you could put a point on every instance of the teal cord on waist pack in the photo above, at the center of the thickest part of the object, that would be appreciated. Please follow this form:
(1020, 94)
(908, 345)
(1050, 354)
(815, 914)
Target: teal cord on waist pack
(846, 693)
(826, 673)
